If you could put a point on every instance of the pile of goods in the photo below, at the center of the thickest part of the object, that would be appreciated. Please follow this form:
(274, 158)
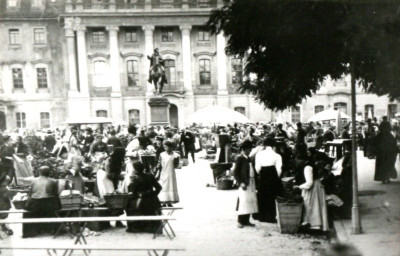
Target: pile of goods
(44, 158)
(149, 151)
(19, 200)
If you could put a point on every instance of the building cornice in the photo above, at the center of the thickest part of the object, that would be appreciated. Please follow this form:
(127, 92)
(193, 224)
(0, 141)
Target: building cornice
(98, 55)
(170, 52)
(131, 54)
(202, 53)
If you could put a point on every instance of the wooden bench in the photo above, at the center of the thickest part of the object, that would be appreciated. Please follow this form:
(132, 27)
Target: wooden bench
(79, 238)
(152, 250)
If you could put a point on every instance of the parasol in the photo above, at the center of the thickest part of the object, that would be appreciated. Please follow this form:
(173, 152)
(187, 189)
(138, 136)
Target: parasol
(217, 115)
(328, 115)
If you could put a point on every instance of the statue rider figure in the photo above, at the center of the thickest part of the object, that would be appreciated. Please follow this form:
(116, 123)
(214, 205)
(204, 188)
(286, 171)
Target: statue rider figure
(153, 60)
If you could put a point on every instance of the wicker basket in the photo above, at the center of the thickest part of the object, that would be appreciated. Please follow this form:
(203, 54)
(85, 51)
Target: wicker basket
(117, 201)
(19, 205)
(224, 184)
(289, 216)
(71, 202)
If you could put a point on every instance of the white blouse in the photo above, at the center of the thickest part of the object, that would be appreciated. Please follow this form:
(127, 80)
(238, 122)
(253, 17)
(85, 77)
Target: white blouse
(268, 157)
(308, 175)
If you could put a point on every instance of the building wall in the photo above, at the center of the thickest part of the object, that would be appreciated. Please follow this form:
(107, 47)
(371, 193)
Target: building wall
(54, 55)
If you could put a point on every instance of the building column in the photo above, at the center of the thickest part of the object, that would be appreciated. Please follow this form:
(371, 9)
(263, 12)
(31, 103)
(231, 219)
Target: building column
(82, 61)
(73, 87)
(221, 62)
(186, 59)
(149, 48)
(114, 60)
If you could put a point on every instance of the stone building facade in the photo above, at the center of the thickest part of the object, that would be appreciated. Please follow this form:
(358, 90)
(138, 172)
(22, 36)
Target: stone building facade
(84, 58)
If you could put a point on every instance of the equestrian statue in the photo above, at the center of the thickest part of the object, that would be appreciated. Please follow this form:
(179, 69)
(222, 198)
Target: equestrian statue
(157, 71)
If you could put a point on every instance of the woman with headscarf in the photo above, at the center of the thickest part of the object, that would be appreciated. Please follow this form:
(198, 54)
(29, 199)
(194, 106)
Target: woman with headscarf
(72, 164)
(386, 151)
(269, 167)
(144, 202)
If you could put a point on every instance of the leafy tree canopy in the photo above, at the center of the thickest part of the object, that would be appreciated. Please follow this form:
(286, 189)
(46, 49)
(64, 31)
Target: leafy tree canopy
(292, 46)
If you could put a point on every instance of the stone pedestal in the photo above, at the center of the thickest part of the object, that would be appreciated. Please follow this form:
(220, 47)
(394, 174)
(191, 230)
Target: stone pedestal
(159, 111)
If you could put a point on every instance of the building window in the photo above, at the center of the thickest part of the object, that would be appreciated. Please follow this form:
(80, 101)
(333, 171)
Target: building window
(98, 36)
(100, 73)
(167, 35)
(18, 81)
(42, 78)
(134, 116)
(170, 71)
(45, 120)
(39, 36)
(13, 3)
(241, 110)
(205, 74)
(101, 113)
(341, 106)
(130, 36)
(237, 71)
(21, 119)
(392, 110)
(37, 4)
(318, 109)
(368, 111)
(204, 35)
(14, 36)
(295, 114)
(133, 72)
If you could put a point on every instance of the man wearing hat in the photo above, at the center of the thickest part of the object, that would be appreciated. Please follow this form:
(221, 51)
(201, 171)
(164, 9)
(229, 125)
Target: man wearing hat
(98, 145)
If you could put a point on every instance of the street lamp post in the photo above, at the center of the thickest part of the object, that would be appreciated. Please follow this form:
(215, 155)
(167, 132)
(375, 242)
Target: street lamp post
(355, 214)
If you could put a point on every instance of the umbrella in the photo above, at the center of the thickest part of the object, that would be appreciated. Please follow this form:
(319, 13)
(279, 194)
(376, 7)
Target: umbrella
(217, 115)
(327, 115)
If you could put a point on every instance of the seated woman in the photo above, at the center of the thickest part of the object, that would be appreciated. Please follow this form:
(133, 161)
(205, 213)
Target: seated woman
(43, 203)
(145, 202)
(315, 213)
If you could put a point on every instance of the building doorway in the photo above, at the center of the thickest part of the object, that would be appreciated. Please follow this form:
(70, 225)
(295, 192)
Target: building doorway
(3, 124)
(173, 115)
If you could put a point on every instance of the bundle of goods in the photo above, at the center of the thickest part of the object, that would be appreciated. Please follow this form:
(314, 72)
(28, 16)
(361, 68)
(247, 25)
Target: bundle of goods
(70, 199)
(289, 210)
(224, 182)
(19, 200)
(117, 200)
(150, 150)
(15, 189)
(44, 158)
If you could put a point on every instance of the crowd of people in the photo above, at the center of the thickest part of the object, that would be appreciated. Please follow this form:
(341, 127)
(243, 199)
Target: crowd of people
(142, 162)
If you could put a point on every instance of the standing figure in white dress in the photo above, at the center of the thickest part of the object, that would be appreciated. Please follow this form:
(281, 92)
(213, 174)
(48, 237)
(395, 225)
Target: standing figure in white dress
(169, 160)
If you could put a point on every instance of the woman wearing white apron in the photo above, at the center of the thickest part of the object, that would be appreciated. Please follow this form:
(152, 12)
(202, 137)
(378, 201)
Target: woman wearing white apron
(244, 175)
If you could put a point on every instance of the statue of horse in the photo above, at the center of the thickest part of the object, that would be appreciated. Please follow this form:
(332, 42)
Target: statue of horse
(156, 76)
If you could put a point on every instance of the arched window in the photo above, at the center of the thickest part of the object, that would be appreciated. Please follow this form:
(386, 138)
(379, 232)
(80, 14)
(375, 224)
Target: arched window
(237, 71)
(134, 116)
(241, 110)
(369, 111)
(100, 73)
(170, 72)
(132, 69)
(342, 106)
(318, 109)
(295, 114)
(205, 72)
(101, 113)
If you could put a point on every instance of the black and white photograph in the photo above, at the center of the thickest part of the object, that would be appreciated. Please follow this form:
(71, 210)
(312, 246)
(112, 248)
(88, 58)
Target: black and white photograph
(199, 127)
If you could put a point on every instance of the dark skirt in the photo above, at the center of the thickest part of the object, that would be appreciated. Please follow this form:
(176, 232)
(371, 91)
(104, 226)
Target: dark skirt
(144, 205)
(40, 208)
(269, 187)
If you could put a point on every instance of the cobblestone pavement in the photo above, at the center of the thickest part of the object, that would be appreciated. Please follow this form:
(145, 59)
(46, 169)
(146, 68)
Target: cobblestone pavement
(206, 226)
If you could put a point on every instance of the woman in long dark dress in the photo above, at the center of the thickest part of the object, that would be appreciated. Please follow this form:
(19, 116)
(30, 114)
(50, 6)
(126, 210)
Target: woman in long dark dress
(269, 168)
(144, 202)
(386, 151)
